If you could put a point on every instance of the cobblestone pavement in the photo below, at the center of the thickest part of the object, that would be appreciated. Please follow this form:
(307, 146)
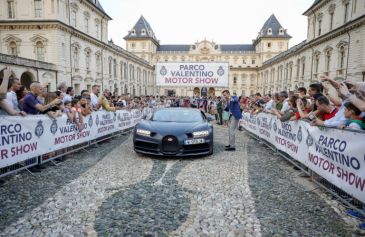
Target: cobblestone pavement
(112, 191)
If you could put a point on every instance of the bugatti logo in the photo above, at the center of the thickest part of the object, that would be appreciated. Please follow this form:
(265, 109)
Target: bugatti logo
(163, 71)
(220, 71)
(54, 127)
(170, 139)
(39, 129)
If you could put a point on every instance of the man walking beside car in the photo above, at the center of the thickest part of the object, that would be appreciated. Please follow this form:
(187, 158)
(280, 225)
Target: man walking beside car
(233, 107)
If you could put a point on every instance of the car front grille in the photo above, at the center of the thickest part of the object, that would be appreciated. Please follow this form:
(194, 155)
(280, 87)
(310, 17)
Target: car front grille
(146, 146)
(196, 148)
(170, 144)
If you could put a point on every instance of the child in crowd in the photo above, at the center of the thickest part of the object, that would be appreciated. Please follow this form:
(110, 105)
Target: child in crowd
(68, 111)
(354, 121)
(78, 119)
(303, 109)
(85, 106)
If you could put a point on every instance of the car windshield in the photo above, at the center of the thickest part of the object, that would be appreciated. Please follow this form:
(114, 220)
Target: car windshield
(179, 116)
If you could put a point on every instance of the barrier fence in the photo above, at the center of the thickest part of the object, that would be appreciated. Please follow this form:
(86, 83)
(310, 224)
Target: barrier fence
(37, 139)
(334, 158)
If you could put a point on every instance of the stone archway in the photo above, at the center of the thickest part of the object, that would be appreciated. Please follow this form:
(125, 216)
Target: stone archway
(196, 91)
(26, 79)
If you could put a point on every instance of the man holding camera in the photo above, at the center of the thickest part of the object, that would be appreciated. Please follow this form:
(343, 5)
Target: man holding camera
(31, 104)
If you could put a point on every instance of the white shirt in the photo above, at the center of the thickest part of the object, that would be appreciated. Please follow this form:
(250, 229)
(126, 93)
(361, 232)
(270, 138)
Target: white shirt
(93, 100)
(12, 100)
(67, 98)
(269, 105)
(285, 106)
(339, 118)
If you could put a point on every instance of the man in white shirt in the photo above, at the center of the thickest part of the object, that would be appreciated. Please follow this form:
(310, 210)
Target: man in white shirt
(11, 97)
(70, 93)
(94, 99)
(285, 102)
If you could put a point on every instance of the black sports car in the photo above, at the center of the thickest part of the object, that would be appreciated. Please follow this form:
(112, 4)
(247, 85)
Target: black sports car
(174, 132)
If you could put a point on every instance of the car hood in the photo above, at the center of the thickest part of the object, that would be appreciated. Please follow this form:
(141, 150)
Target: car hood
(172, 127)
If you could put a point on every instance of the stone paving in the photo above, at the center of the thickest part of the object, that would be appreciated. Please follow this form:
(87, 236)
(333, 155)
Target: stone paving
(112, 191)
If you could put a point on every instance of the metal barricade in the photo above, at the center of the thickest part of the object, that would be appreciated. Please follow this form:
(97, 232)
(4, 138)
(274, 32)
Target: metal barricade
(348, 200)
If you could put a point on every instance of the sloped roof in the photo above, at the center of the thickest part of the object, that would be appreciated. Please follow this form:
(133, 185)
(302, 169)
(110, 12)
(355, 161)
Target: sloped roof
(316, 2)
(174, 47)
(141, 24)
(223, 47)
(237, 47)
(275, 26)
(97, 4)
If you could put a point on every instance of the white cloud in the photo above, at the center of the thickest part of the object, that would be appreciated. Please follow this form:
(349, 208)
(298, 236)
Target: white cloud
(188, 21)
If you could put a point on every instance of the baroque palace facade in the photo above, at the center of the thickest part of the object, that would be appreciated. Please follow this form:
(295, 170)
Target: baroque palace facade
(335, 46)
(67, 40)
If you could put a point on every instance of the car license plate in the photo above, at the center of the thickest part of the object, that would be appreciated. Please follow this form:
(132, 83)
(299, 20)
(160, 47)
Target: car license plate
(194, 141)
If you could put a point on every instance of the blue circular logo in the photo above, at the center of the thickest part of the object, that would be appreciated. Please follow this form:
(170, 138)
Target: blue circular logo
(220, 71)
(39, 129)
(163, 71)
(300, 134)
(90, 122)
(54, 127)
(97, 120)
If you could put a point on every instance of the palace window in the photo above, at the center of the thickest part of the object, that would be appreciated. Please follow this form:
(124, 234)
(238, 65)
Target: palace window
(86, 24)
(110, 66)
(269, 45)
(347, 9)
(328, 61)
(11, 9)
(13, 48)
(316, 66)
(98, 63)
(97, 29)
(331, 21)
(38, 8)
(234, 80)
(73, 18)
(319, 27)
(115, 68)
(87, 58)
(253, 61)
(39, 51)
(76, 54)
(342, 56)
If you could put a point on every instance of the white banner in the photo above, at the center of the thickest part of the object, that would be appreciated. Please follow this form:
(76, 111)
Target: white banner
(336, 155)
(31, 136)
(212, 74)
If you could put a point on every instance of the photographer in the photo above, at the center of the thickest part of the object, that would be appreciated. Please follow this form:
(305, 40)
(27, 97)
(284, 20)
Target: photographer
(31, 105)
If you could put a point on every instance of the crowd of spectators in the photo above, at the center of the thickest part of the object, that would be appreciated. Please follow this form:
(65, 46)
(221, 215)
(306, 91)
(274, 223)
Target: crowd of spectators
(336, 103)
(16, 100)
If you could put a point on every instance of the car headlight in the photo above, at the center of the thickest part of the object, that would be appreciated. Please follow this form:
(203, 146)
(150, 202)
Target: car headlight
(201, 133)
(143, 132)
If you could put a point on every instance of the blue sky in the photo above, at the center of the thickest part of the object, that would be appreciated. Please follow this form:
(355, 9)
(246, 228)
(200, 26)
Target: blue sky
(188, 21)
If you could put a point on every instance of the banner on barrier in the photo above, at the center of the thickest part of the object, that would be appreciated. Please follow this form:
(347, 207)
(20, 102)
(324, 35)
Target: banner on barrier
(32, 136)
(336, 155)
